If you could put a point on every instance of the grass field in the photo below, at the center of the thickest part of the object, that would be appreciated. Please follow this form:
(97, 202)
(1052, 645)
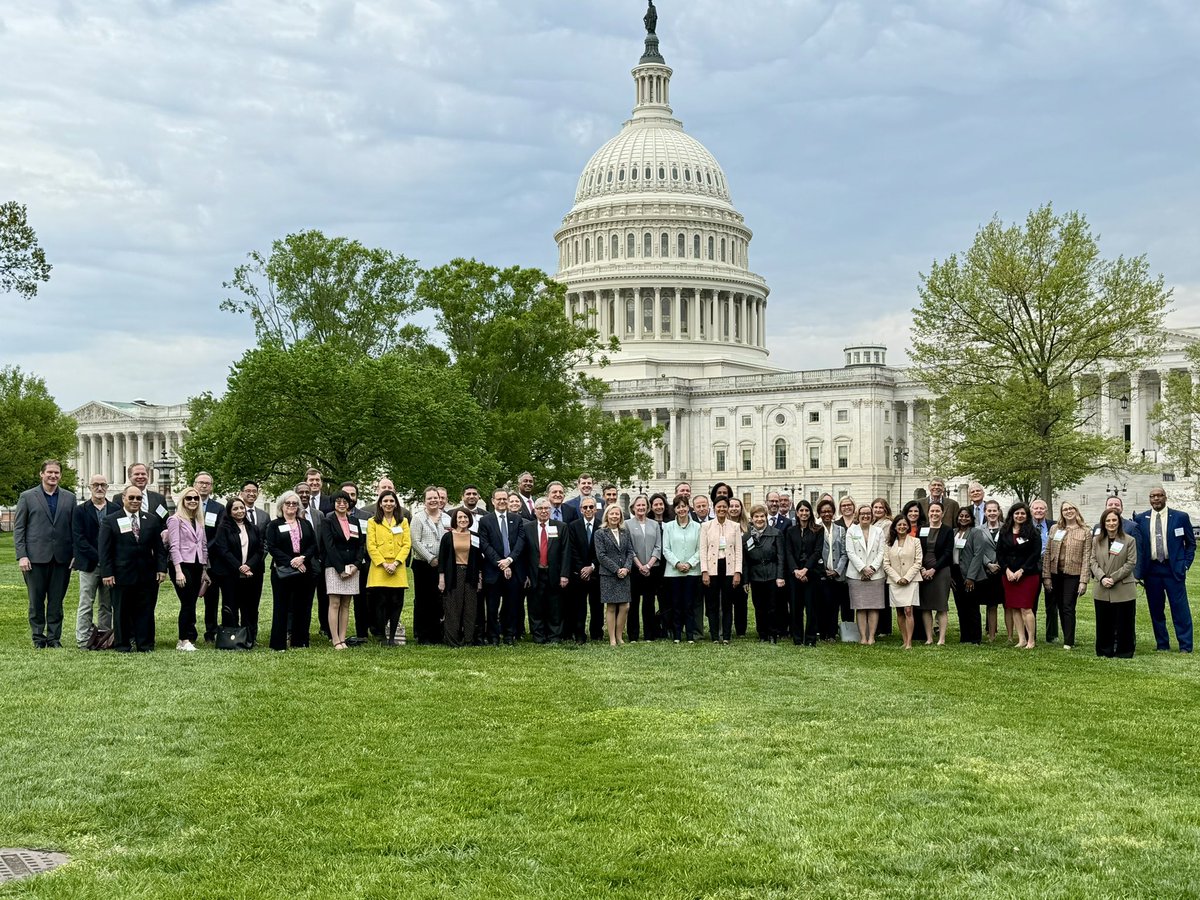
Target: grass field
(659, 771)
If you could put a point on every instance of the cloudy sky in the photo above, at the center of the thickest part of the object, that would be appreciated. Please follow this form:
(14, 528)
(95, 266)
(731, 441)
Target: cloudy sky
(156, 142)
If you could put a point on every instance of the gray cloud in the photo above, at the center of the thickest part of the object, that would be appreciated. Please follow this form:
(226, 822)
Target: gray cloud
(157, 142)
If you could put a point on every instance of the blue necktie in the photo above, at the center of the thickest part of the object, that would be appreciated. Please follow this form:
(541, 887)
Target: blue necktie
(504, 534)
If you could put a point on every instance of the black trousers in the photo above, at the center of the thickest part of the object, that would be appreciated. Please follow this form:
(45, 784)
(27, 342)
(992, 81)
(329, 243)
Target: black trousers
(387, 603)
(581, 599)
(365, 614)
(683, 606)
(970, 625)
(133, 616)
(802, 602)
(718, 604)
(291, 600)
(666, 602)
(46, 584)
(1060, 603)
(741, 609)
(884, 628)
(545, 607)
(427, 604)
(212, 610)
(823, 609)
(643, 591)
(1115, 634)
(242, 597)
(763, 594)
(192, 573)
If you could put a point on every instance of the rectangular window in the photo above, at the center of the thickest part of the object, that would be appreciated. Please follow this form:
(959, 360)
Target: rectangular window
(814, 457)
(843, 453)
(814, 417)
(814, 497)
(747, 421)
(720, 460)
(887, 415)
(780, 456)
(843, 415)
(887, 456)
(747, 460)
(719, 422)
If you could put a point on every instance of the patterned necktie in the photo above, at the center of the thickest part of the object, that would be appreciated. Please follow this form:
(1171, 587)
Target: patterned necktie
(544, 549)
(1159, 551)
(136, 523)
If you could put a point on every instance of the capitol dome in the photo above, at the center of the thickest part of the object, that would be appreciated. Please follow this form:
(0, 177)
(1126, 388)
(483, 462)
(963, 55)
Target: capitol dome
(654, 252)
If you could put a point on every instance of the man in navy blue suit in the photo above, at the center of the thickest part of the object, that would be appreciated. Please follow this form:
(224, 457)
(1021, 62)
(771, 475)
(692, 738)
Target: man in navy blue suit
(502, 541)
(1166, 547)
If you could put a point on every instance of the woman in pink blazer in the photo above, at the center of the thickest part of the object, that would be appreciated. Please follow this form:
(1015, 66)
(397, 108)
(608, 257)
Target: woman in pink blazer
(189, 559)
(720, 569)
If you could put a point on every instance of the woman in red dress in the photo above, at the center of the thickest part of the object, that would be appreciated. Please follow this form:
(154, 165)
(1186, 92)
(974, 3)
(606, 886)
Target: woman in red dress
(1019, 554)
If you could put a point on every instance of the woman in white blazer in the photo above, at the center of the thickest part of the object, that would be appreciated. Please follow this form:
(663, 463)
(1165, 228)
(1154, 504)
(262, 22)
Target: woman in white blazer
(864, 572)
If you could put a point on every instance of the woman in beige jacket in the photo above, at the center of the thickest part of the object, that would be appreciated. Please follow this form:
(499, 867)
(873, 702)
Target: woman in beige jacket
(720, 569)
(1114, 557)
(902, 563)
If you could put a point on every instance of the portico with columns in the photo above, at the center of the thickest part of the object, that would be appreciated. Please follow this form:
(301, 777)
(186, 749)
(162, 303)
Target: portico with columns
(111, 436)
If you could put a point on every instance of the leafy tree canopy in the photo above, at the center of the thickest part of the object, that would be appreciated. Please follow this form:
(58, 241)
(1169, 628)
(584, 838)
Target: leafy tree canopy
(22, 260)
(32, 430)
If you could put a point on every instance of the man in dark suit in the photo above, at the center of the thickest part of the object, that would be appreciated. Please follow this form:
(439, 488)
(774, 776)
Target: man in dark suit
(583, 594)
(152, 501)
(93, 594)
(587, 488)
(502, 541)
(211, 510)
(133, 563)
(43, 540)
(559, 511)
(548, 558)
(937, 491)
(259, 518)
(1166, 547)
(525, 494)
(318, 504)
(775, 517)
(364, 609)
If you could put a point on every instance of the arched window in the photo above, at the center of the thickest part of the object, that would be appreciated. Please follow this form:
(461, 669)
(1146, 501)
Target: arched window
(722, 249)
(610, 176)
(682, 246)
(587, 249)
(629, 319)
(696, 247)
(665, 247)
(647, 173)
(666, 313)
(575, 255)
(599, 248)
(711, 244)
(616, 247)
(647, 245)
(630, 246)
(621, 175)
(684, 310)
(674, 173)
(687, 175)
(780, 455)
(648, 315)
(662, 173)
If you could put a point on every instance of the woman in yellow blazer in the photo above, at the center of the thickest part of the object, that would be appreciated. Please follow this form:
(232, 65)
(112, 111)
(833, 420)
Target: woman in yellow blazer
(389, 541)
(720, 569)
(1114, 559)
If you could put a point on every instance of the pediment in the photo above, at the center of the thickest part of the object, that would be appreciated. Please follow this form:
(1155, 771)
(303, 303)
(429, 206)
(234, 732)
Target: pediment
(98, 411)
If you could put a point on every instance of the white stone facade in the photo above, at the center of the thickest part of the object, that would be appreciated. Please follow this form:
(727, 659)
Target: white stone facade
(114, 435)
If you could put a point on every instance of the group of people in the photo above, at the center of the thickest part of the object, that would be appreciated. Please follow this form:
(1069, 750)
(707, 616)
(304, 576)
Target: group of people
(579, 569)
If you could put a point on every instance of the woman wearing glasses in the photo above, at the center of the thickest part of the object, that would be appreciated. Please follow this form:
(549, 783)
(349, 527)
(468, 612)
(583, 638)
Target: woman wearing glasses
(292, 546)
(189, 558)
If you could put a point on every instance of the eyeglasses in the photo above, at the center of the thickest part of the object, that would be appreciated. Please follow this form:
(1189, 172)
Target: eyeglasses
(99, 484)
(132, 498)
(191, 499)
(291, 502)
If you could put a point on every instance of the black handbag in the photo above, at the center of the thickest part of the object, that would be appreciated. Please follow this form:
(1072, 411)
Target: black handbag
(286, 572)
(100, 640)
(230, 637)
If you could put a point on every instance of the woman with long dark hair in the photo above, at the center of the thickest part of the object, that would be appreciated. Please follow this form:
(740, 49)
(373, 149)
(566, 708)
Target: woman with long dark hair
(803, 543)
(236, 559)
(1019, 555)
(389, 541)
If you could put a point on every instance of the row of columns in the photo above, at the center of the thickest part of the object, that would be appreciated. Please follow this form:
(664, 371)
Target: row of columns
(672, 458)
(111, 454)
(711, 315)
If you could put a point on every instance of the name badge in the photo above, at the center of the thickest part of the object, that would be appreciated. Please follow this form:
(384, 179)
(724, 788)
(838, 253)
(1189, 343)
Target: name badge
(1020, 540)
(125, 524)
(925, 531)
(161, 512)
(397, 529)
(551, 531)
(1178, 532)
(1116, 547)
(750, 544)
(960, 543)
(474, 540)
(210, 519)
(285, 529)
(1059, 535)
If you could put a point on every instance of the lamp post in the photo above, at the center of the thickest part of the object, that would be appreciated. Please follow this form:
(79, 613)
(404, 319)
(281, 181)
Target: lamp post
(164, 466)
(900, 455)
(1115, 490)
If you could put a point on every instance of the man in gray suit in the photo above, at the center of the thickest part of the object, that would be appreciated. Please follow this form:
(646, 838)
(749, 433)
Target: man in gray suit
(43, 540)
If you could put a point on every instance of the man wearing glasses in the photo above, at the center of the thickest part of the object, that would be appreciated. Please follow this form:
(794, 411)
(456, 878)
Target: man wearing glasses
(152, 501)
(86, 532)
(133, 562)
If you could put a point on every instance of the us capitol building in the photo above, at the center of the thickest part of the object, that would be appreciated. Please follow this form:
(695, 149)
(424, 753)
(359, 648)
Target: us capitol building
(655, 253)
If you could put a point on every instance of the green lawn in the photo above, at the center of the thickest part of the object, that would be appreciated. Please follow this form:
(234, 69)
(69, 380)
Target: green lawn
(655, 771)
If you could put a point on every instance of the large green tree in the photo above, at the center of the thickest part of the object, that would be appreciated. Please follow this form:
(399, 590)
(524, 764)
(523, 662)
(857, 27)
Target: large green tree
(351, 415)
(22, 260)
(32, 430)
(1004, 332)
(329, 290)
(509, 337)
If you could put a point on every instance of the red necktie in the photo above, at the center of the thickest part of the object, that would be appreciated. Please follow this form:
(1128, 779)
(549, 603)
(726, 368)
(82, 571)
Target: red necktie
(544, 550)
